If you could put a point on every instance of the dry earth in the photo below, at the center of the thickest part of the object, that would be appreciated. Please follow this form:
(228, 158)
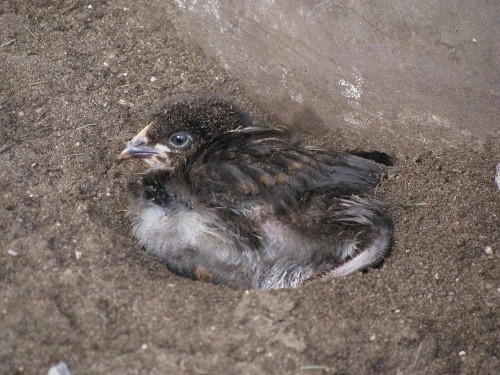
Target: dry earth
(76, 83)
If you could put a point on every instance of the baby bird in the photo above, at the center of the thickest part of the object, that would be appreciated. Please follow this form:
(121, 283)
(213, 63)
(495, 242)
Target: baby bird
(230, 203)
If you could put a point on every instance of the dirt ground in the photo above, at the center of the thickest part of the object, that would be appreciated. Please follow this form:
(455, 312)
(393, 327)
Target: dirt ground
(77, 80)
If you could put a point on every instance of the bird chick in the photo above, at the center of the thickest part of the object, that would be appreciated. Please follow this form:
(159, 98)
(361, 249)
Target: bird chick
(231, 203)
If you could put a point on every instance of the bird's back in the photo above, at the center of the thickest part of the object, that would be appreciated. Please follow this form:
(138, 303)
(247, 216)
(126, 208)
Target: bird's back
(269, 165)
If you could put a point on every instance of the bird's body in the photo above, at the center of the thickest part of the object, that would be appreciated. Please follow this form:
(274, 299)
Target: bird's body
(251, 207)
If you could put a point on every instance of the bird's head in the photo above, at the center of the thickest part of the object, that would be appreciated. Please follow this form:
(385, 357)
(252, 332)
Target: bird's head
(182, 127)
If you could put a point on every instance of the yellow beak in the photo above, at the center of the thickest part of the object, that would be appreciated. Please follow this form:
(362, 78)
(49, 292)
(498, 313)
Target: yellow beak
(138, 147)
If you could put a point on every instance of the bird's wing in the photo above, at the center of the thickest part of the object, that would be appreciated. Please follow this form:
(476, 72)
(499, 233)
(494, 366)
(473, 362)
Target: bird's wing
(254, 165)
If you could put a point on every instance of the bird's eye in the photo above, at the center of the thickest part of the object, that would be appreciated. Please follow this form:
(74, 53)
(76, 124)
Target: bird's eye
(180, 140)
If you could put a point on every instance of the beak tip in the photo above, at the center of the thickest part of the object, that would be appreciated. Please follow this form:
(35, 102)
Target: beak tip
(134, 152)
(123, 155)
(137, 147)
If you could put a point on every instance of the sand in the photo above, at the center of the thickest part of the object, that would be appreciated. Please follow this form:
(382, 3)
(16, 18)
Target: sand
(78, 79)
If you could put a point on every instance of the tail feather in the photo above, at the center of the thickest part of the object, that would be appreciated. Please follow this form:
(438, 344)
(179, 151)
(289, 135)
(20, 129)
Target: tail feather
(368, 213)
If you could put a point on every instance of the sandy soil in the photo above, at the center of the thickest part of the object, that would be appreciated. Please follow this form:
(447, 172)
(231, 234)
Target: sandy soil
(76, 83)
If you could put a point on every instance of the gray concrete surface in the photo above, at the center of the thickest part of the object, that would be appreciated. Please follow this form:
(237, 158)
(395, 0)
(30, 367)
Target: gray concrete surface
(423, 74)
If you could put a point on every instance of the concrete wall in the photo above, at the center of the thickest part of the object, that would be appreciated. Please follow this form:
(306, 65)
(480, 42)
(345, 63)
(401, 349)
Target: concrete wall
(416, 74)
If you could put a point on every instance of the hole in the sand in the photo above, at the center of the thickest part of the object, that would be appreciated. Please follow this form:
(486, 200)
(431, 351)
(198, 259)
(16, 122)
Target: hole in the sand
(378, 156)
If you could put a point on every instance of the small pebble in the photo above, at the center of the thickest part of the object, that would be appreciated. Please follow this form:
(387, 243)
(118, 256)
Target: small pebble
(153, 79)
(144, 346)
(125, 103)
(12, 253)
(78, 254)
(60, 369)
(488, 250)
(461, 353)
(497, 176)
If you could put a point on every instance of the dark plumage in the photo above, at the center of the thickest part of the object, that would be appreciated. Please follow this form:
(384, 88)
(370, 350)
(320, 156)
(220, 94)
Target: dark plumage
(251, 207)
